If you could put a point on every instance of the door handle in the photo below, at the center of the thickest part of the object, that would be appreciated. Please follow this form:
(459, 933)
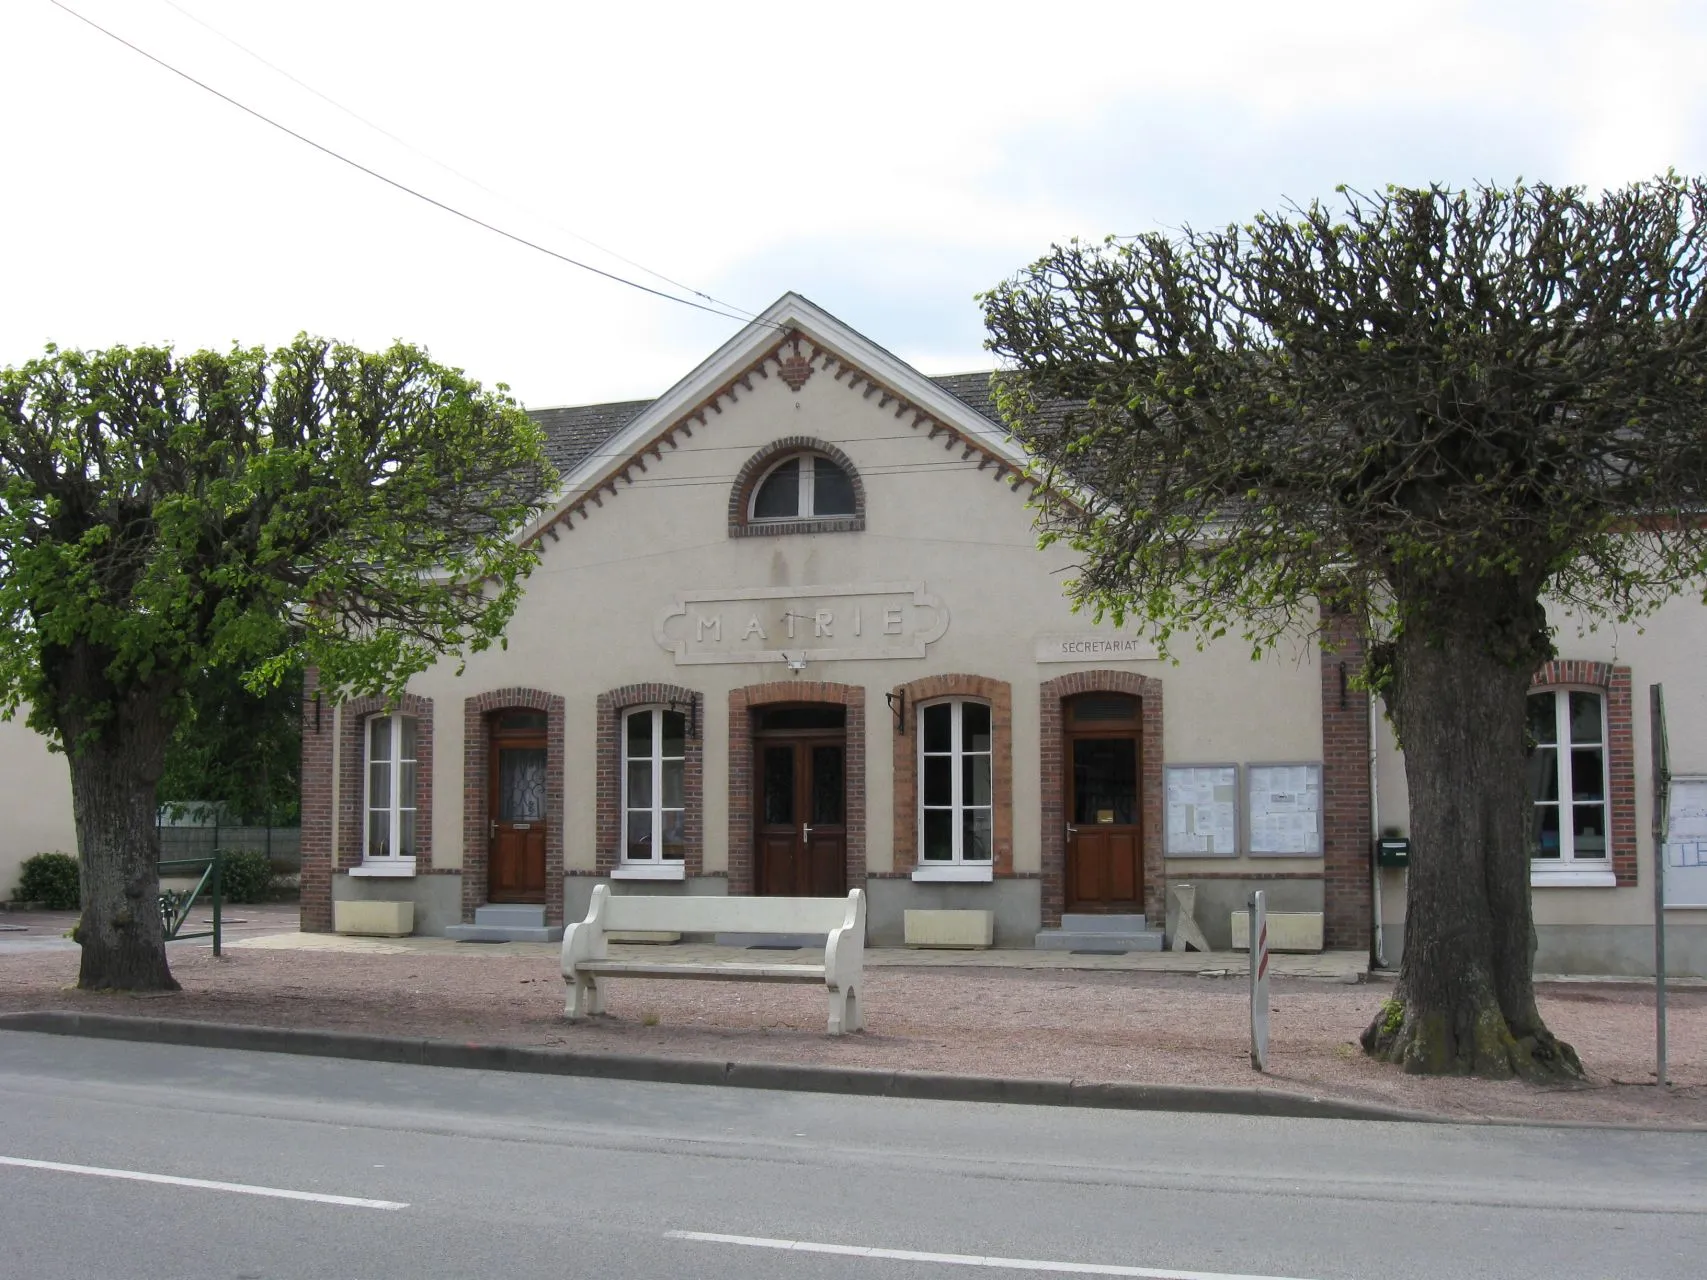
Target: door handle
(494, 829)
(1071, 831)
(805, 833)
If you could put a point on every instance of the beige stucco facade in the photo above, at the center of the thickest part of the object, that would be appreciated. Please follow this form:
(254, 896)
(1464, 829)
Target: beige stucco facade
(37, 789)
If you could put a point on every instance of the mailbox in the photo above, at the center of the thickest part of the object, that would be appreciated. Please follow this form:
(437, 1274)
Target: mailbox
(1393, 851)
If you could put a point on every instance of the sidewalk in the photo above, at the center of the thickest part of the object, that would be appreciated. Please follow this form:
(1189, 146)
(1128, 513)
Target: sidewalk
(1014, 1014)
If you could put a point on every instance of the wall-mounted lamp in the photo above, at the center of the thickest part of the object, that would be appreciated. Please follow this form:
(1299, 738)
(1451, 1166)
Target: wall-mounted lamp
(897, 701)
(796, 661)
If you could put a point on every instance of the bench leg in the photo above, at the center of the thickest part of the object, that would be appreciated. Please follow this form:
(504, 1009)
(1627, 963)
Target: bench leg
(584, 998)
(845, 1012)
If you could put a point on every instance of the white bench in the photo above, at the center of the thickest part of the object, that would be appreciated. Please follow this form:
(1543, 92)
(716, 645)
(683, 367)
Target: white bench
(586, 960)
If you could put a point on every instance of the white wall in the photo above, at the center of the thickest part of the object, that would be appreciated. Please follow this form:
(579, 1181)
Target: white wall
(35, 798)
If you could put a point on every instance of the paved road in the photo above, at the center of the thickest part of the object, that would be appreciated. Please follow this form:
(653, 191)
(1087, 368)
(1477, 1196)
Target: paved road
(488, 1174)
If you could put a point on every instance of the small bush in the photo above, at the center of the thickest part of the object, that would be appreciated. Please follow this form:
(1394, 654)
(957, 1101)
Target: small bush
(246, 877)
(51, 879)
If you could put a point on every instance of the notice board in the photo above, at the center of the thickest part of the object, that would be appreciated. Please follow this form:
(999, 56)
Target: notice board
(1203, 810)
(1686, 842)
(1285, 816)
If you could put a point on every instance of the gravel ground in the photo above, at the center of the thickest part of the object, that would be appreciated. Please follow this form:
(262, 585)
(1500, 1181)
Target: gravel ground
(1153, 1028)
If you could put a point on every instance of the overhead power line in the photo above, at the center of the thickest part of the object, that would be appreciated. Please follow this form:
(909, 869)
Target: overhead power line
(404, 187)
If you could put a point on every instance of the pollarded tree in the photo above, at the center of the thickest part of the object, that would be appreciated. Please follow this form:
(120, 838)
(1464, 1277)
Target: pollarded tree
(164, 517)
(1430, 410)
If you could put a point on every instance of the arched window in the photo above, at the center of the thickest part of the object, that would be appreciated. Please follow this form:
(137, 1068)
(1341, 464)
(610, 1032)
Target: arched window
(390, 801)
(804, 486)
(1568, 778)
(654, 786)
(956, 790)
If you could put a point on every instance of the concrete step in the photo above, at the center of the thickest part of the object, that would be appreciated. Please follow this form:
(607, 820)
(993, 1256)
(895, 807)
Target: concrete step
(1099, 940)
(805, 941)
(1086, 922)
(514, 915)
(504, 933)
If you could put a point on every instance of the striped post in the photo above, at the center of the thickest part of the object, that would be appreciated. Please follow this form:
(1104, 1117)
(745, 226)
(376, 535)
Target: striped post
(1259, 981)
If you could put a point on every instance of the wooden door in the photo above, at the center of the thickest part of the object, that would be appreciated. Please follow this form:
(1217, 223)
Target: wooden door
(516, 803)
(1105, 854)
(801, 833)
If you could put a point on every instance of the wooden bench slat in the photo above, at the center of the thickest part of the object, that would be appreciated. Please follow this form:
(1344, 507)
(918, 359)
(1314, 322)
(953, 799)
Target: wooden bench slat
(747, 972)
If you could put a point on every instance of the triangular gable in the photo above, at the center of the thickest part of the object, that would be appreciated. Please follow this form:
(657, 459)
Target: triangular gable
(792, 340)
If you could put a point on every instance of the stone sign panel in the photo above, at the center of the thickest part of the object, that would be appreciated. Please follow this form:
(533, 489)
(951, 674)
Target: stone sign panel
(775, 624)
(1091, 646)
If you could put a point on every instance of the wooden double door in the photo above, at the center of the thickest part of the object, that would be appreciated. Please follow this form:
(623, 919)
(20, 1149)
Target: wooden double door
(800, 832)
(1105, 845)
(515, 807)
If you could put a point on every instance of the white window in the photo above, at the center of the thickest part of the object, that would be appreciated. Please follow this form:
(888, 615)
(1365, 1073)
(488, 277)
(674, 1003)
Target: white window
(955, 786)
(1568, 784)
(807, 486)
(654, 787)
(390, 834)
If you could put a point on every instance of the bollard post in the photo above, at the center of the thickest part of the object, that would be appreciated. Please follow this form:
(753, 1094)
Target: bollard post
(1259, 981)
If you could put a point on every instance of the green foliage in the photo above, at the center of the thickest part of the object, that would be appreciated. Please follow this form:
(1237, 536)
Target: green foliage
(239, 748)
(245, 876)
(1392, 1016)
(52, 880)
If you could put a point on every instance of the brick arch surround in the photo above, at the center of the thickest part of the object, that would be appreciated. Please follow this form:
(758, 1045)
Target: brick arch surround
(742, 779)
(1052, 755)
(611, 706)
(476, 761)
(741, 495)
(1614, 683)
(352, 762)
(1000, 695)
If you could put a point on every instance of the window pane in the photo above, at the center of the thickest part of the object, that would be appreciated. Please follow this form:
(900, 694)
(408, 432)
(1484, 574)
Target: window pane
(1105, 780)
(1543, 718)
(827, 785)
(975, 780)
(1546, 831)
(975, 835)
(938, 726)
(779, 496)
(974, 726)
(1105, 706)
(379, 738)
(1544, 774)
(408, 752)
(1585, 717)
(675, 784)
(379, 786)
(406, 784)
(1588, 830)
(406, 834)
(1588, 779)
(779, 785)
(832, 489)
(378, 833)
(939, 835)
(521, 784)
(640, 734)
(639, 835)
(675, 733)
(639, 784)
(939, 780)
(675, 833)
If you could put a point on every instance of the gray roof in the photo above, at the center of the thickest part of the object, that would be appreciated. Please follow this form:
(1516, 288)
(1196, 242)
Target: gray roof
(574, 433)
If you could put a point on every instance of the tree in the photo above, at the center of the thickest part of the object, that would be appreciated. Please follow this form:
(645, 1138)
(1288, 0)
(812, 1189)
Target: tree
(164, 517)
(238, 747)
(1429, 411)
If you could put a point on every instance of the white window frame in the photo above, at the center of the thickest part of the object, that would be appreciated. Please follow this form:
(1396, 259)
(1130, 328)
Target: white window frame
(656, 868)
(392, 863)
(1568, 870)
(959, 867)
(804, 509)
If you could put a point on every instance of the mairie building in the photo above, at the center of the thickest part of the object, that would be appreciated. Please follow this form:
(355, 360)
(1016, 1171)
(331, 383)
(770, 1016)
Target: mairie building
(791, 633)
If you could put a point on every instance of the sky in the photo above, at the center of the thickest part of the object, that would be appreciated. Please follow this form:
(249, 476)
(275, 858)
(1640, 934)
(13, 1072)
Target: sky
(886, 160)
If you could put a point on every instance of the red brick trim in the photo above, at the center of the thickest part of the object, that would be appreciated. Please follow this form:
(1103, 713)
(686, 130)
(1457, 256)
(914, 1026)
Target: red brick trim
(315, 914)
(352, 764)
(476, 761)
(1615, 683)
(741, 703)
(611, 708)
(741, 495)
(1000, 695)
(1348, 849)
(1052, 761)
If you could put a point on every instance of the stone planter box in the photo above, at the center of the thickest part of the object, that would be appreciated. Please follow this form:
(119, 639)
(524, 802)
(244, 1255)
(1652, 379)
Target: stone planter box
(969, 930)
(374, 919)
(1287, 930)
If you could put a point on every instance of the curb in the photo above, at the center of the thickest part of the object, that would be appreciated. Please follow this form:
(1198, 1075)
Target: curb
(874, 1082)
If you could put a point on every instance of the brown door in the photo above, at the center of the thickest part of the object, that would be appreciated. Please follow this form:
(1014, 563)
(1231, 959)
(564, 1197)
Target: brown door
(801, 833)
(1105, 855)
(516, 803)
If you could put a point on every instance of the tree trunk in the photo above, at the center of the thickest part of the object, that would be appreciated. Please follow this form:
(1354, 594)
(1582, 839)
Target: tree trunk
(114, 773)
(1465, 1002)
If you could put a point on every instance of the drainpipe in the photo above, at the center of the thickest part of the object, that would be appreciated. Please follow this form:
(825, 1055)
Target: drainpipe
(1375, 828)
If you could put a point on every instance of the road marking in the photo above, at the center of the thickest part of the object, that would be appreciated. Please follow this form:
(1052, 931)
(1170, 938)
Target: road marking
(964, 1259)
(201, 1184)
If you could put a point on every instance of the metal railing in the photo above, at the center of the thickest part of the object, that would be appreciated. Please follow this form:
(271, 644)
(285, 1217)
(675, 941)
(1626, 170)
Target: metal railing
(176, 904)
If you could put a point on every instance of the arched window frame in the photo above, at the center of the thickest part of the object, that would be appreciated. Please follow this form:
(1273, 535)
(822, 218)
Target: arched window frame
(807, 462)
(763, 465)
(1571, 866)
(397, 846)
(959, 804)
(653, 803)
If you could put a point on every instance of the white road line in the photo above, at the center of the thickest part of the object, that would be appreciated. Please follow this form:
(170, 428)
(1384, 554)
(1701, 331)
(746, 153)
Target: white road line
(201, 1184)
(963, 1259)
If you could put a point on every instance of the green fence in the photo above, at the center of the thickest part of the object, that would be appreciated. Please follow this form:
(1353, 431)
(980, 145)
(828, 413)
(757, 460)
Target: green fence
(176, 904)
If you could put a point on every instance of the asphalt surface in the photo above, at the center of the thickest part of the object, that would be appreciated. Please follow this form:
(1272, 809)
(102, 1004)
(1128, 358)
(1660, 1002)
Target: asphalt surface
(486, 1173)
